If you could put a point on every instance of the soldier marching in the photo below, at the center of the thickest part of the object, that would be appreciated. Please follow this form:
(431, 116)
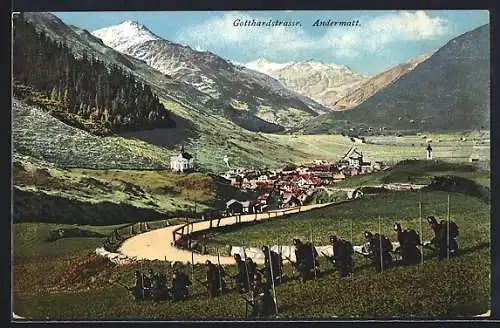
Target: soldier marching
(260, 282)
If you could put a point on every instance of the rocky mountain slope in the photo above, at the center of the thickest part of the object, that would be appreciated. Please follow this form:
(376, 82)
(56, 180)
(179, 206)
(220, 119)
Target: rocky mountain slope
(450, 91)
(325, 83)
(225, 83)
(376, 83)
(81, 41)
(38, 134)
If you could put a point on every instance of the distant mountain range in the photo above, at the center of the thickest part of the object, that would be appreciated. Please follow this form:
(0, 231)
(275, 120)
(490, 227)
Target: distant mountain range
(375, 84)
(232, 89)
(325, 83)
(448, 91)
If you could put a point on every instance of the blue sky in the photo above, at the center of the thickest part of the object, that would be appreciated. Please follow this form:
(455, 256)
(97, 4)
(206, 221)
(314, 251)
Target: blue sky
(383, 39)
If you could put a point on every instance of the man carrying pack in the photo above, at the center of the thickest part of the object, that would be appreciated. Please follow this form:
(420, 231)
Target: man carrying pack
(180, 283)
(443, 236)
(408, 241)
(263, 304)
(213, 279)
(342, 256)
(158, 288)
(276, 261)
(380, 257)
(251, 268)
(305, 255)
(241, 278)
(138, 289)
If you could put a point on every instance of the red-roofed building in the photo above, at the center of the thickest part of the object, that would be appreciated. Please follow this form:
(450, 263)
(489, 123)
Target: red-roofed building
(263, 198)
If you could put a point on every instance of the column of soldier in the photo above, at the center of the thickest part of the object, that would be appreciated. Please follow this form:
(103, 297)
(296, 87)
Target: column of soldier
(249, 279)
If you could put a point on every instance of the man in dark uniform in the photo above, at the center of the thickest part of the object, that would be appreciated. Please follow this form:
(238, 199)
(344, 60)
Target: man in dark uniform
(159, 289)
(155, 288)
(342, 255)
(148, 282)
(305, 256)
(252, 269)
(180, 283)
(241, 278)
(138, 289)
(408, 241)
(375, 252)
(263, 302)
(440, 239)
(213, 279)
(276, 261)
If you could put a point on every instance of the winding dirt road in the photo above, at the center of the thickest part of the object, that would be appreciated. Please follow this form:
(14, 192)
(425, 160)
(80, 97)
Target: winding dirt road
(158, 244)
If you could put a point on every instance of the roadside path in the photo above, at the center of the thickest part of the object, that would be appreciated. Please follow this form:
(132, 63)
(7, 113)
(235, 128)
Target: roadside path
(158, 244)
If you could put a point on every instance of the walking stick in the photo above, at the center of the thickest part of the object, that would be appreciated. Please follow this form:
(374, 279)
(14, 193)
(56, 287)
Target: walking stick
(448, 230)
(192, 266)
(312, 253)
(352, 260)
(248, 277)
(380, 245)
(218, 269)
(142, 282)
(166, 279)
(421, 233)
(280, 251)
(272, 279)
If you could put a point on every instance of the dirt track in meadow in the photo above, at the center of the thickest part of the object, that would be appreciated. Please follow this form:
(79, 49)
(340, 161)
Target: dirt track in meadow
(158, 244)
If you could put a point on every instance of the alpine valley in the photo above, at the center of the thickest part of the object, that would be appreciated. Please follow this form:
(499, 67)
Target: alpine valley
(132, 153)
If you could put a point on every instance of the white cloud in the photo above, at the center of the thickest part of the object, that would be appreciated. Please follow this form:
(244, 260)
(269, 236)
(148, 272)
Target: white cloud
(220, 32)
(409, 25)
(374, 35)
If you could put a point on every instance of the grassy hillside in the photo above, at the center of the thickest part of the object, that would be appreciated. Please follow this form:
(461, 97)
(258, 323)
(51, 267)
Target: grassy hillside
(216, 138)
(30, 240)
(470, 213)
(447, 289)
(418, 172)
(40, 135)
(47, 193)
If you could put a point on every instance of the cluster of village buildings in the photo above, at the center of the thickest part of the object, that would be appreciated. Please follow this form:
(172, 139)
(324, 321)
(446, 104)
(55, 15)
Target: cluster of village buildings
(289, 188)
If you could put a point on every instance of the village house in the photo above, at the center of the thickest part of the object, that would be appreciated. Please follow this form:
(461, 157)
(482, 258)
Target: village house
(234, 207)
(263, 199)
(353, 157)
(182, 162)
(291, 201)
(251, 206)
(263, 178)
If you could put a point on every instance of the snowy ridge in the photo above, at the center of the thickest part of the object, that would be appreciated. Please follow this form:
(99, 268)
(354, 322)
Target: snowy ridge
(212, 75)
(324, 83)
(125, 35)
(265, 66)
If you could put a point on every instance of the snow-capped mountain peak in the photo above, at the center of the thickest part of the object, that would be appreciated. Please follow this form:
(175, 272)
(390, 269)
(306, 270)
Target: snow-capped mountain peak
(265, 66)
(323, 82)
(125, 35)
(318, 64)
